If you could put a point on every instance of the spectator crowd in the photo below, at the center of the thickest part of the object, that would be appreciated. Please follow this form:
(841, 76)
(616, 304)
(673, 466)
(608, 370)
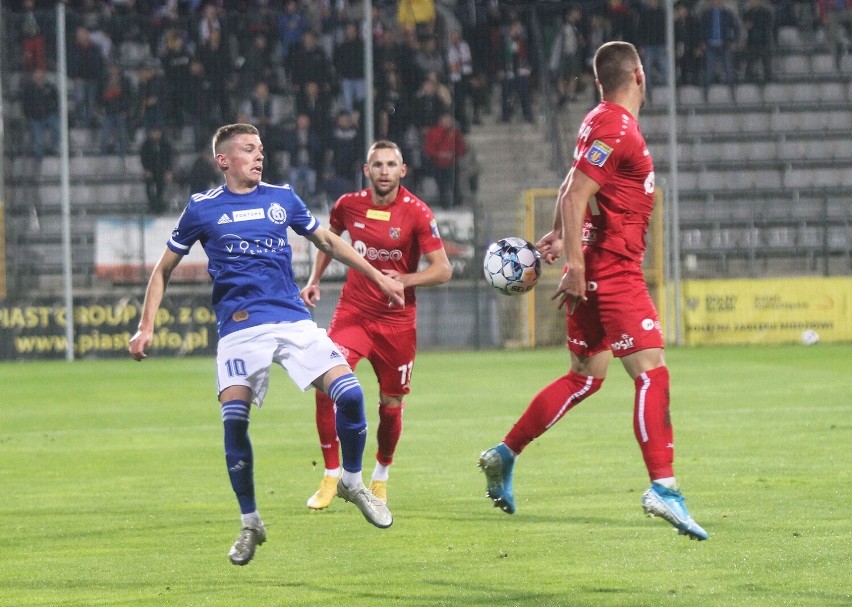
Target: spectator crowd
(295, 69)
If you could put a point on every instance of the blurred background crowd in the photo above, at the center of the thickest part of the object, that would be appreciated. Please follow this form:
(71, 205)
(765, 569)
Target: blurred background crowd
(144, 74)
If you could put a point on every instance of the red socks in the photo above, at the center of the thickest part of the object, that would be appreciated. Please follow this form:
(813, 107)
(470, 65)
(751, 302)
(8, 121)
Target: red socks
(548, 406)
(390, 429)
(327, 431)
(651, 422)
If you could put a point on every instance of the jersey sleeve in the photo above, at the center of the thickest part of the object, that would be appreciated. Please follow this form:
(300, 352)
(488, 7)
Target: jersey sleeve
(602, 151)
(427, 232)
(302, 220)
(336, 218)
(187, 230)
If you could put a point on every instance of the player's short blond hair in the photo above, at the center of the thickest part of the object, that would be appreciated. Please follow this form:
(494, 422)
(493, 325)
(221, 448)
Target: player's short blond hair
(229, 131)
(383, 144)
(614, 63)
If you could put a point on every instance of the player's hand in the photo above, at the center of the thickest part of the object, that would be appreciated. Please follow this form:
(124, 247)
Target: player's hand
(550, 247)
(139, 343)
(396, 275)
(394, 289)
(310, 295)
(571, 290)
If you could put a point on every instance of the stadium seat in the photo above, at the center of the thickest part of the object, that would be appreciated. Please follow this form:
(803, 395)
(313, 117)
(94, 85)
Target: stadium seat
(720, 94)
(795, 65)
(779, 237)
(798, 178)
(754, 122)
(808, 236)
(724, 122)
(790, 37)
(748, 94)
(823, 63)
(839, 238)
(765, 179)
(691, 240)
(775, 92)
(691, 96)
(802, 92)
(832, 92)
(842, 148)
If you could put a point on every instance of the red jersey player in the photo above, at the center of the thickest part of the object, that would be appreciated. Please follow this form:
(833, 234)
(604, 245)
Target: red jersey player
(602, 214)
(392, 229)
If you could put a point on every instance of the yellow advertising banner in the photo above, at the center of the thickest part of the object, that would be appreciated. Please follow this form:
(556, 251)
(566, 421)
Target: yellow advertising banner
(767, 311)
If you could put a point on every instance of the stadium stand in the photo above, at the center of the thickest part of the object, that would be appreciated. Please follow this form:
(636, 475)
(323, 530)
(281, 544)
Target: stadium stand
(764, 171)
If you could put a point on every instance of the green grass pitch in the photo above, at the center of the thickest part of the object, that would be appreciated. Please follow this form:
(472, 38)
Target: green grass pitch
(114, 490)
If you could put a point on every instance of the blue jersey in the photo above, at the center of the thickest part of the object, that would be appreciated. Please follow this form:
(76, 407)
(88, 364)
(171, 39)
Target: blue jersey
(249, 255)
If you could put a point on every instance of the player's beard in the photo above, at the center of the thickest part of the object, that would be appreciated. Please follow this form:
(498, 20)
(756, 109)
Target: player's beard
(382, 191)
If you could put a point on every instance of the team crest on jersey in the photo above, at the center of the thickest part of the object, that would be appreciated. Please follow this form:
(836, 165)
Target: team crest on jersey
(395, 233)
(433, 225)
(598, 153)
(276, 213)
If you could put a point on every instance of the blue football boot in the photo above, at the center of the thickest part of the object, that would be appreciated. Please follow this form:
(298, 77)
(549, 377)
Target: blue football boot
(668, 504)
(497, 464)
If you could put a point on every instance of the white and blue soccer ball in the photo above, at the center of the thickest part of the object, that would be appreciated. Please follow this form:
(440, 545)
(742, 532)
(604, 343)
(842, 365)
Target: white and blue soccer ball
(809, 337)
(512, 266)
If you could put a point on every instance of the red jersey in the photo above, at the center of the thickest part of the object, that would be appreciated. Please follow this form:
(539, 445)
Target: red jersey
(391, 237)
(612, 151)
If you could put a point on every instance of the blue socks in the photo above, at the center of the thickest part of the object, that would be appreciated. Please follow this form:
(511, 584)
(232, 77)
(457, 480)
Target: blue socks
(238, 453)
(350, 421)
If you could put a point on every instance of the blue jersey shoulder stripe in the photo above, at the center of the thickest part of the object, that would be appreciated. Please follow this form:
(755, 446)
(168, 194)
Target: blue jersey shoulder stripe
(177, 247)
(283, 186)
(208, 194)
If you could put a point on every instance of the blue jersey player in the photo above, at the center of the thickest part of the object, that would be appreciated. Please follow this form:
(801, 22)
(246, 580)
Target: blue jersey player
(242, 226)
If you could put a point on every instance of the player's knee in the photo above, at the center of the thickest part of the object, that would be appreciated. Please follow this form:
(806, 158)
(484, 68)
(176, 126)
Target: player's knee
(235, 418)
(348, 396)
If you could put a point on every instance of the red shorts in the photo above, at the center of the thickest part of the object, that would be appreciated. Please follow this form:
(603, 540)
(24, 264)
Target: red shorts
(619, 314)
(389, 348)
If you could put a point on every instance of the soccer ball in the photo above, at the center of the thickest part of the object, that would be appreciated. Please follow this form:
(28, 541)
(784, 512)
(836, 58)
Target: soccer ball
(512, 266)
(809, 337)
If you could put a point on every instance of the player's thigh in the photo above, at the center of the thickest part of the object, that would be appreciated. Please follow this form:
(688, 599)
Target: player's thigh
(628, 314)
(586, 335)
(305, 351)
(393, 357)
(352, 338)
(243, 359)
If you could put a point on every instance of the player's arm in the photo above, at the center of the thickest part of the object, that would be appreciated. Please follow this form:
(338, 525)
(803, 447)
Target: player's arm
(153, 297)
(573, 202)
(310, 294)
(333, 245)
(437, 271)
(550, 245)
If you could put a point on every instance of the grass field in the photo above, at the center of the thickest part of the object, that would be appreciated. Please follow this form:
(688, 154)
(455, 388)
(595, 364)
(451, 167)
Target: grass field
(114, 490)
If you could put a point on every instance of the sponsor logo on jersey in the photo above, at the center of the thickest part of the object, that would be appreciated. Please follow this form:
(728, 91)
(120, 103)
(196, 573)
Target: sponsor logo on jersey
(598, 153)
(625, 343)
(377, 214)
(276, 213)
(224, 219)
(248, 215)
(395, 233)
(358, 224)
(237, 246)
(374, 254)
(650, 182)
(240, 315)
(433, 225)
